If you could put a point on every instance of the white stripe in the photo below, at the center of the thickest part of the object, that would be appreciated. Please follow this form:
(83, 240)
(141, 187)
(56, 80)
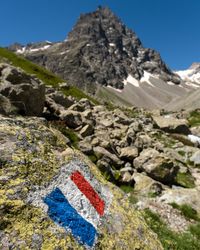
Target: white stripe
(80, 202)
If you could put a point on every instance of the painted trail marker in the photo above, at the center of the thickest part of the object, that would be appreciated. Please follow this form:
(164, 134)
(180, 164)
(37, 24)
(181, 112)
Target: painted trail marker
(63, 208)
(75, 200)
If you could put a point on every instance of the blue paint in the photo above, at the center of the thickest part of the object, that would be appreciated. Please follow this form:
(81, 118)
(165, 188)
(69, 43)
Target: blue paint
(61, 212)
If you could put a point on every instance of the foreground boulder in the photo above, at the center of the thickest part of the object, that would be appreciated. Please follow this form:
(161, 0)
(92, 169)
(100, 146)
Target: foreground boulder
(25, 92)
(38, 178)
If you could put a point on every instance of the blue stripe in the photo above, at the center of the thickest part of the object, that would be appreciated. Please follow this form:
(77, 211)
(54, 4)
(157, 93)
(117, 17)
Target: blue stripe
(61, 212)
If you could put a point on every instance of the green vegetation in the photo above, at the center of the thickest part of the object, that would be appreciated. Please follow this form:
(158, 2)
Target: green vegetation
(185, 180)
(69, 133)
(187, 211)
(93, 158)
(181, 152)
(30, 68)
(169, 239)
(44, 75)
(194, 118)
(195, 230)
(75, 92)
(126, 188)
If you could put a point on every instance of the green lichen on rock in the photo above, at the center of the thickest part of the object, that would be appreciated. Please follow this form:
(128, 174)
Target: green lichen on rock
(31, 157)
(185, 180)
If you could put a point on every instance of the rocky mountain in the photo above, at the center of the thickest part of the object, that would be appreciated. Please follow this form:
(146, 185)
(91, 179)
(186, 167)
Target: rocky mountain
(191, 75)
(142, 168)
(101, 51)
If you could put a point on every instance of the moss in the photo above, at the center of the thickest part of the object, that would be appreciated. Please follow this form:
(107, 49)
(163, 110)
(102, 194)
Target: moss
(194, 118)
(181, 152)
(69, 133)
(127, 188)
(185, 180)
(93, 158)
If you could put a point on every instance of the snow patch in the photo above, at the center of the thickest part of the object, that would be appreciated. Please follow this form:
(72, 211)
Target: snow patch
(118, 90)
(190, 75)
(112, 44)
(132, 81)
(146, 78)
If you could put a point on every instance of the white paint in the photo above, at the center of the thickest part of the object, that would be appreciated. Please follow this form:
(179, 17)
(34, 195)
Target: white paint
(79, 201)
(130, 79)
(194, 138)
(146, 78)
(76, 198)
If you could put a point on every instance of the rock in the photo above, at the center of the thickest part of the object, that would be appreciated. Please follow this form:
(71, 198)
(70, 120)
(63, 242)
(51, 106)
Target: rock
(102, 152)
(24, 91)
(182, 196)
(195, 158)
(143, 141)
(172, 125)
(71, 118)
(129, 153)
(76, 107)
(106, 123)
(86, 130)
(145, 155)
(44, 168)
(5, 106)
(157, 166)
(85, 147)
(146, 186)
(59, 98)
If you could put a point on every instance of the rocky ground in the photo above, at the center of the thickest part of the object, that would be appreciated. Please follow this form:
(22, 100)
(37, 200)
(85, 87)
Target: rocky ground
(152, 156)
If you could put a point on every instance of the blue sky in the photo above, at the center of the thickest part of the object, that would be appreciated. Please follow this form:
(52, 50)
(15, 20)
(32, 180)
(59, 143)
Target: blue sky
(169, 26)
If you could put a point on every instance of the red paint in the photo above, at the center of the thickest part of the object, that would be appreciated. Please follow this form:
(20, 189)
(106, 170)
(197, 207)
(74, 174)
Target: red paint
(85, 187)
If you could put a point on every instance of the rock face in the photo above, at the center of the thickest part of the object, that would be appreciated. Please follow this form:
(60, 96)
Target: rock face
(24, 92)
(99, 50)
(37, 178)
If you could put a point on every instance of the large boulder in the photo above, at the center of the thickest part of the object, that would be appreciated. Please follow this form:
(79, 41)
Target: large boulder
(25, 92)
(71, 118)
(156, 165)
(45, 194)
(102, 152)
(172, 125)
(128, 153)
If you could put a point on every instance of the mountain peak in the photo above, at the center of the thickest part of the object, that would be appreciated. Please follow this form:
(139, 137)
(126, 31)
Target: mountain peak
(100, 50)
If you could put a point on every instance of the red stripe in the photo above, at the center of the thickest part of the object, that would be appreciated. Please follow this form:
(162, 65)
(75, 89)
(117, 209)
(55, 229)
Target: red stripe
(85, 187)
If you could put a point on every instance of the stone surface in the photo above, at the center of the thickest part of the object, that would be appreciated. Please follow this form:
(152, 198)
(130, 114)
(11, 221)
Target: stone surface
(71, 118)
(170, 124)
(34, 161)
(129, 153)
(25, 92)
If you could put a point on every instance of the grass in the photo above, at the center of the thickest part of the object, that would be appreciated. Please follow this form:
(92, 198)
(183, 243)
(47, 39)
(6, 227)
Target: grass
(194, 118)
(69, 133)
(169, 239)
(44, 75)
(18, 61)
(187, 211)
